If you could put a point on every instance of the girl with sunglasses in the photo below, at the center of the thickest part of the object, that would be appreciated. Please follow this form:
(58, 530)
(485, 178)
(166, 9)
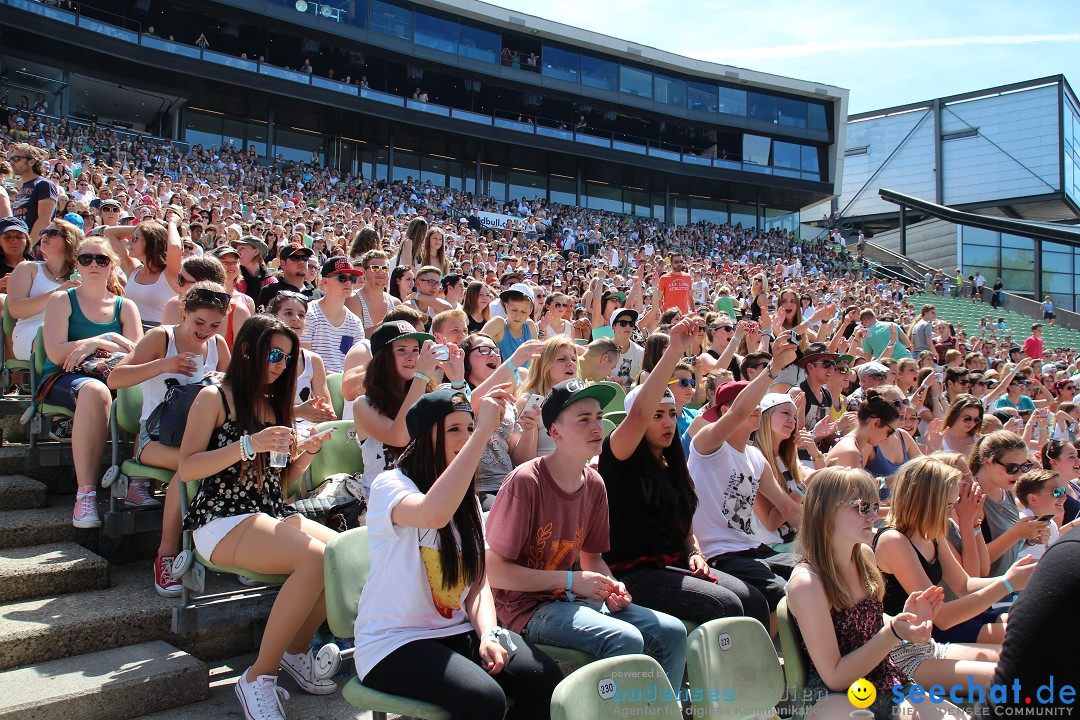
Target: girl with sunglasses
(652, 502)
(959, 429)
(552, 320)
(239, 516)
(997, 461)
(888, 456)
(151, 259)
(32, 283)
(877, 420)
(94, 316)
(913, 554)
(835, 597)
(181, 354)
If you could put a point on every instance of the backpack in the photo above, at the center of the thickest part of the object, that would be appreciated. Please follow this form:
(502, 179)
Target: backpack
(167, 422)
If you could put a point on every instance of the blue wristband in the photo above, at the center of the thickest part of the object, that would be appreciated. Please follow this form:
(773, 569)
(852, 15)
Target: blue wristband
(569, 586)
(1007, 584)
(517, 376)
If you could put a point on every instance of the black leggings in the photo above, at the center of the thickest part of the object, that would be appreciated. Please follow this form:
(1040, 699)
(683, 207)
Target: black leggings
(447, 672)
(694, 599)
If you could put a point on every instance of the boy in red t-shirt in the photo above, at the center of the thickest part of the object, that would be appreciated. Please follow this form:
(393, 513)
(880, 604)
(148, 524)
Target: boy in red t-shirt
(550, 512)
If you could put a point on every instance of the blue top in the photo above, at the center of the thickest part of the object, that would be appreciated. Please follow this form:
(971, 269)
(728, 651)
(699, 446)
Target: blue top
(882, 466)
(508, 344)
(682, 424)
(81, 327)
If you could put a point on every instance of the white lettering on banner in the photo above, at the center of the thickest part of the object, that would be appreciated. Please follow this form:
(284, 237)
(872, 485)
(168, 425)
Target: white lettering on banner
(496, 220)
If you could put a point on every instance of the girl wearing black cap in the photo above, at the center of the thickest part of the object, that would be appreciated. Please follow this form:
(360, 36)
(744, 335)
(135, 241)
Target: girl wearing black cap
(426, 625)
(239, 516)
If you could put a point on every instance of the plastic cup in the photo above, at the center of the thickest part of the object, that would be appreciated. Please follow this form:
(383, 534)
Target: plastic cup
(200, 368)
(279, 459)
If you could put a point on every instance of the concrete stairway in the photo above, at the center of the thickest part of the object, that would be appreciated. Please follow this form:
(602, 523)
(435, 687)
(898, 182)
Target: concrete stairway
(82, 638)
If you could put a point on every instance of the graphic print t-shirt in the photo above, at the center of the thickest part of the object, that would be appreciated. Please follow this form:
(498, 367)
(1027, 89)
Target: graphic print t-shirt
(676, 289)
(537, 525)
(404, 599)
(726, 482)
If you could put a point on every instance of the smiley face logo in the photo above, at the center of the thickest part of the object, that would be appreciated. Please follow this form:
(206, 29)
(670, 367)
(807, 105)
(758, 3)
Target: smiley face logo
(862, 694)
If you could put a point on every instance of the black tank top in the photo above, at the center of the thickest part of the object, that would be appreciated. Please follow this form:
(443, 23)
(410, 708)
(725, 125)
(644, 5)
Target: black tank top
(895, 594)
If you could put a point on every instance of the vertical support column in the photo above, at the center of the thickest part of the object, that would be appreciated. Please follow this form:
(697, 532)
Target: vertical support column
(270, 149)
(1037, 287)
(390, 158)
(65, 94)
(578, 182)
(757, 212)
(939, 171)
(479, 173)
(667, 201)
(903, 230)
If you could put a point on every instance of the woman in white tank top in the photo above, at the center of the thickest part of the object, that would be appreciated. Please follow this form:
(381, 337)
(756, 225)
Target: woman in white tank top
(185, 353)
(32, 283)
(155, 280)
(312, 401)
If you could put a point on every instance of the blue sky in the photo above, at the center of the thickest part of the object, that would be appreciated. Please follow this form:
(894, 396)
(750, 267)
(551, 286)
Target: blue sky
(884, 53)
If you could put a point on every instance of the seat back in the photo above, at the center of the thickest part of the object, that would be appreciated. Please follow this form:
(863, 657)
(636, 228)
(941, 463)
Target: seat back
(795, 661)
(129, 408)
(9, 323)
(628, 684)
(608, 427)
(346, 567)
(333, 384)
(735, 656)
(37, 354)
(615, 416)
(617, 402)
(339, 453)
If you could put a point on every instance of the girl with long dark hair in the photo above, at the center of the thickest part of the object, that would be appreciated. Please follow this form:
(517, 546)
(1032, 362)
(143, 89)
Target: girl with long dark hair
(426, 625)
(239, 516)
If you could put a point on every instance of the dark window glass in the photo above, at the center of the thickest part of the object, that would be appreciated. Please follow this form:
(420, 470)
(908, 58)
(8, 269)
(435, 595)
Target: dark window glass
(597, 73)
(635, 82)
(756, 149)
(561, 63)
(816, 116)
(732, 101)
(792, 112)
(670, 91)
(436, 33)
(787, 155)
(391, 20)
(478, 44)
(762, 107)
(702, 97)
(810, 159)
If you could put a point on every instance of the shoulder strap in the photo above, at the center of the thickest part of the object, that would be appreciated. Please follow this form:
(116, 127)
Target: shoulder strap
(224, 402)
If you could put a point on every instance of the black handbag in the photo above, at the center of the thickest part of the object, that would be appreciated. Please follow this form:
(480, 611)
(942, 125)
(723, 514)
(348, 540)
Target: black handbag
(337, 512)
(167, 421)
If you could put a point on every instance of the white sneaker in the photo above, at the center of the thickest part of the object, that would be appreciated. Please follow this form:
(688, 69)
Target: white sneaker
(139, 496)
(302, 670)
(261, 699)
(85, 514)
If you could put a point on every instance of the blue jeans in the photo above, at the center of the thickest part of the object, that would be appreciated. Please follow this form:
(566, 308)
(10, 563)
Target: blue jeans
(630, 631)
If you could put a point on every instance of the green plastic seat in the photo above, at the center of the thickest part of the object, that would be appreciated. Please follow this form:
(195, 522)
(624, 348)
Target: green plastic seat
(339, 453)
(333, 384)
(734, 653)
(37, 358)
(618, 402)
(9, 364)
(127, 408)
(795, 661)
(345, 574)
(604, 689)
(615, 416)
(608, 427)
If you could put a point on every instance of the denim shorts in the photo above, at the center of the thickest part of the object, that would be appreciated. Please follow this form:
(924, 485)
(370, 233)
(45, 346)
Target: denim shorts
(66, 389)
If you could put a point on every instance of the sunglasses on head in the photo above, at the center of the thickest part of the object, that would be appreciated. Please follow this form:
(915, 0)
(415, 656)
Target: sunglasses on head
(865, 508)
(277, 355)
(210, 296)
(1014, 468)
(87, 258)
(295, 296)
(683, 382)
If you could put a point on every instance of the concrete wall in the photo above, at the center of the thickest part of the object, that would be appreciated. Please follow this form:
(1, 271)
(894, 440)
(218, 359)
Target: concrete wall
(932, 242)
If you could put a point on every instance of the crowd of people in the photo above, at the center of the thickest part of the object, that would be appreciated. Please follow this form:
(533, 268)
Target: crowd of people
(791, 428)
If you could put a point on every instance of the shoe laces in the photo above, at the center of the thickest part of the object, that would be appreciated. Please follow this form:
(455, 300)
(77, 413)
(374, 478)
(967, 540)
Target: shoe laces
(166, 571)
(302, 662)
(268, 695)
(86, 503)
(141, 493)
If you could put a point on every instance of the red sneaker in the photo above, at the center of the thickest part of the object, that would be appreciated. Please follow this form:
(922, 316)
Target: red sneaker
(165, 584)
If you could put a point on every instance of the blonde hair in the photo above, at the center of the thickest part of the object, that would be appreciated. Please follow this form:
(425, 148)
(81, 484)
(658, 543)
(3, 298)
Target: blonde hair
(831, 489)
(788, 452)
(992, 446)
(920, 497)
(537, 380)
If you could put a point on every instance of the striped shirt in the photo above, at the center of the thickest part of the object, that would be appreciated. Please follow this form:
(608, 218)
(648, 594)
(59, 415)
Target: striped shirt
(331, 342)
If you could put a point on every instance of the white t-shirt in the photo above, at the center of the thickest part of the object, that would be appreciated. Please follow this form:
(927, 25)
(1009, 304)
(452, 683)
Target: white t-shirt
(1038, 550)
(628, 366)
(726, 482)
(332, 342)
(403, 599)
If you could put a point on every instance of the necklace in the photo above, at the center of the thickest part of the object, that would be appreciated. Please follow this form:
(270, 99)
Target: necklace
(49, 273)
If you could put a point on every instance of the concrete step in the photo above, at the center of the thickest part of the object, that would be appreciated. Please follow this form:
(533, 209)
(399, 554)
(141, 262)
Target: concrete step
(50, 524)
(52, 569)
(108, 685)
(127, 613)
(18, 492)
(221, 703)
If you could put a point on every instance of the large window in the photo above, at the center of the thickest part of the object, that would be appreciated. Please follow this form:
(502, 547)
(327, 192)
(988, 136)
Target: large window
(732, 101)
(406, 165)
(792, 112)
(390, 19)
(635, 81)
(701, 97)
(670, 91)
(787, 155)
(526, 185)
(561, 63)
(597, 73)
(563, 191)
(436, 33)
(478, 44)
(714, 211)
(602, 196)
(816, 116)
(762, 107)
(810, 161)
(298, 146)
(433, 170)
(756, 149)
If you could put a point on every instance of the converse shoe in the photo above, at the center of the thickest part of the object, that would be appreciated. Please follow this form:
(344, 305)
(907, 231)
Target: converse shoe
(261, 699)
(61, 430)
(139, 496)
(302, 670)
(85, 514)
(164, 582)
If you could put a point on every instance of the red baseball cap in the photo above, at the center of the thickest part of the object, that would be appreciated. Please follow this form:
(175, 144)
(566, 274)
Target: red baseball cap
(725, 394)
(340, 265)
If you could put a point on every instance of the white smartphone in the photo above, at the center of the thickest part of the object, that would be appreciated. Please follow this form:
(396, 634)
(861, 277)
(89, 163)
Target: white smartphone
(442, 352)
(534, 401)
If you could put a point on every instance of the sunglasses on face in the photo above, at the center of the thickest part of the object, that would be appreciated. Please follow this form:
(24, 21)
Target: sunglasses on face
(969, 418)
(558, 305)
(625, 323)
(428, 281)
(683, 382)
(380, 269)
(347, 279)
(49, 233)
(86, 259)
(277, 355)
(1058, 493)
(1015, 469)
(486, 350)
(865, 508)
(890, 430)
(827, 363)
